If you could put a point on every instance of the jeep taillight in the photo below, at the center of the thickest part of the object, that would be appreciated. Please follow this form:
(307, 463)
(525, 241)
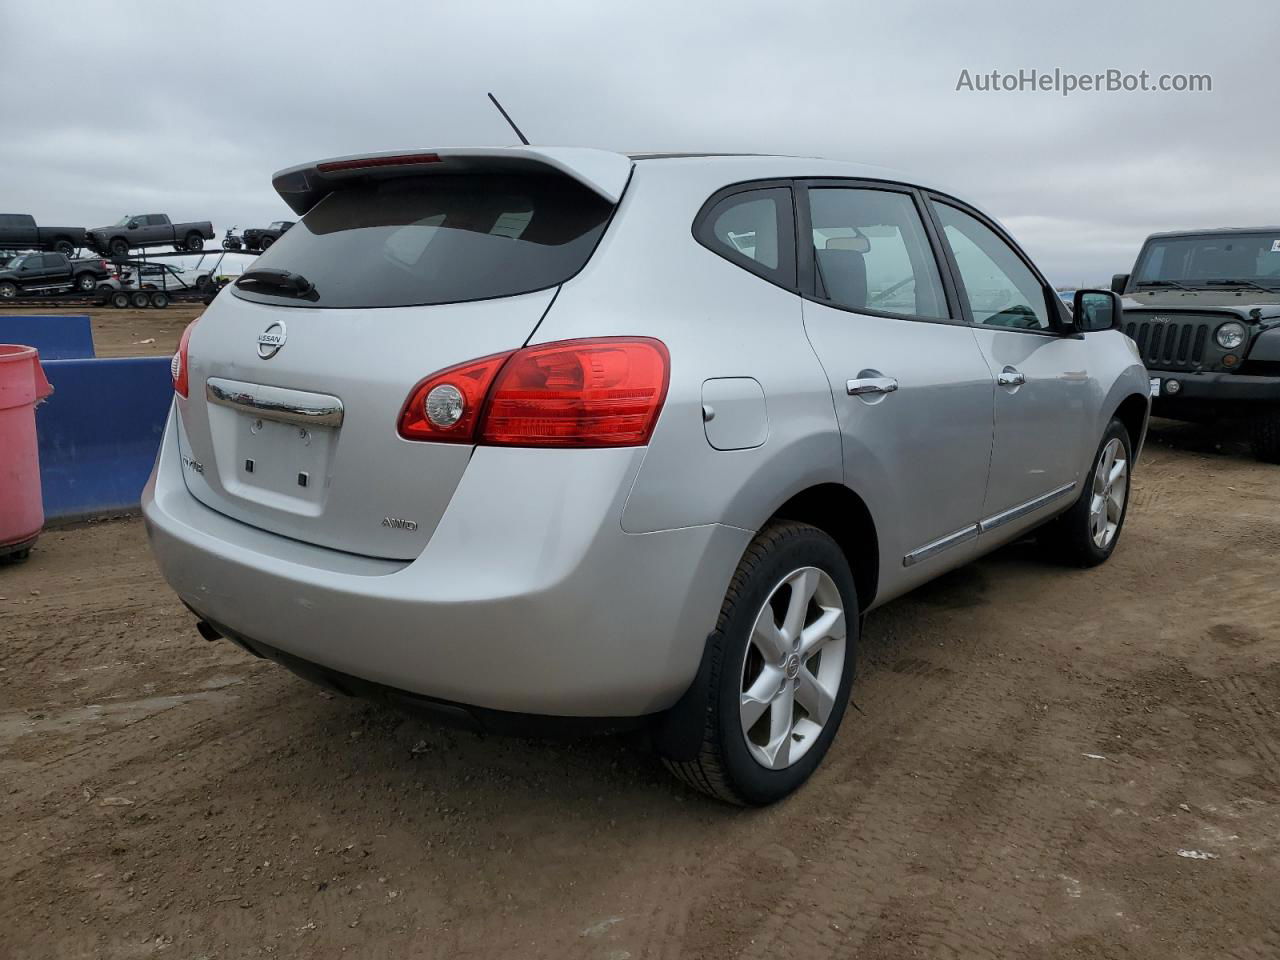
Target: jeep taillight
(178, 365)
(604, 392)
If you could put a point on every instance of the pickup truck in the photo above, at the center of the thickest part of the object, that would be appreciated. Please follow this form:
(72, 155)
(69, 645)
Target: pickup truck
(50, 273)
(149, 230)
(259, 238)
(18, 231)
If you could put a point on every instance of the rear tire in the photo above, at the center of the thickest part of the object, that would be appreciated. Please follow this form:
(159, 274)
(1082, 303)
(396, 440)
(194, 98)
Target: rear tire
(1087, 534)
(86, 282)
(755, 708)
(140, 300)
(120, 300)
(195, 242)
(159, 300)
(1264, 437)
(63, 247)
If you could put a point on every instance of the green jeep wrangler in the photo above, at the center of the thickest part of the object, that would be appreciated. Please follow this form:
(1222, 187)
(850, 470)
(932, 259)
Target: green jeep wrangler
(1203, 307)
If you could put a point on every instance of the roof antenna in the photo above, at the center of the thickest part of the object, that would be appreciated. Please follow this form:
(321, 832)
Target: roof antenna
(507, 117)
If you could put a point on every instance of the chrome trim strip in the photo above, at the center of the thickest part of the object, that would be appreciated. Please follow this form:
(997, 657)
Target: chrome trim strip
(930, 550)
(1031, 506)
(275, 403)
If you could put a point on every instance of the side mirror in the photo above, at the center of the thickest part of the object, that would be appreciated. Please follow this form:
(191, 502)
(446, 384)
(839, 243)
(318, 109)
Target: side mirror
(133, 224)
(1118, 282)
(1094, 310)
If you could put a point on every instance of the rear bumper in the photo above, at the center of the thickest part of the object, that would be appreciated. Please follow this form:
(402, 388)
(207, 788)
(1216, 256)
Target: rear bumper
(1198, 388)
(529, 597)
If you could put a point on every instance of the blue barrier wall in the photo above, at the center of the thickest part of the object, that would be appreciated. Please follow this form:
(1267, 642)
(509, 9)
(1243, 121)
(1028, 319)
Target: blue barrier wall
(57, 338)
(99, 433)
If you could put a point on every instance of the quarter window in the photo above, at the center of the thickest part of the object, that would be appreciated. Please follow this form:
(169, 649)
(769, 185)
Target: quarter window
(753, 228)
(1001, 289)
(870, 252)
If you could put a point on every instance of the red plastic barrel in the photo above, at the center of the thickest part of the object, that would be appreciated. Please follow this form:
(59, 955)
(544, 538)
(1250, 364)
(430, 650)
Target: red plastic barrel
(22, 386)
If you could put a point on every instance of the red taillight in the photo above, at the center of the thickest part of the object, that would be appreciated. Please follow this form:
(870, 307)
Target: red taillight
(178, 365)
(604, 392)
(578, 393)
(400, 160)
(467, 382)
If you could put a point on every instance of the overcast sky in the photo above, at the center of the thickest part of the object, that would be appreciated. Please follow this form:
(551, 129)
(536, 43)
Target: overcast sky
(188, 108)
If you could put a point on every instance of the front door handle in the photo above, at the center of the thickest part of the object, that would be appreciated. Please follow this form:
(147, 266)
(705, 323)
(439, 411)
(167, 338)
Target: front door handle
(865, 385)
(1009, 377)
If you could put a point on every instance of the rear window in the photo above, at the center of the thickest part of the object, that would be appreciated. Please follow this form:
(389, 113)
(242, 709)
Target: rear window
(427, 240)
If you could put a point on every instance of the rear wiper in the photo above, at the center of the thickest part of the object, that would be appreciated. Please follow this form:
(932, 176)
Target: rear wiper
(286, 281)
(1238, 283)
(1164, 283)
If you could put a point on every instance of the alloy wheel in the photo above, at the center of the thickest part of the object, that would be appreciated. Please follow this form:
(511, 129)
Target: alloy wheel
(792, 668)
(1110, 490)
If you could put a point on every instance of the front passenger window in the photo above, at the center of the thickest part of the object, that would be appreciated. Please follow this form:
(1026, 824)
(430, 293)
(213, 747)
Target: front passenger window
(1001, 289)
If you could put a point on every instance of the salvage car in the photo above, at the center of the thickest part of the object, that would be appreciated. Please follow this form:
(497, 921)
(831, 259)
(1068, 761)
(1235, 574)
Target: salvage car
(564, 439)
(51, 273)
(1204, 309)
(260, 238)
(143, 230)
(19, 231)
(168, 276)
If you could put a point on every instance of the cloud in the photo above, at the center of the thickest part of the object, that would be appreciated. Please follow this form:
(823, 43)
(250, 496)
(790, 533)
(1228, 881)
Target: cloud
(189, 109)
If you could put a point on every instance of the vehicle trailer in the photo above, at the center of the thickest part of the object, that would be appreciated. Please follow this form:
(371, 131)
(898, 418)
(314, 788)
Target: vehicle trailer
(1203, 307)
(18, 231)
(140, 231)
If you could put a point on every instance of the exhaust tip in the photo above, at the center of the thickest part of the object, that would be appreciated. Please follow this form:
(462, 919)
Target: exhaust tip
(206, 630)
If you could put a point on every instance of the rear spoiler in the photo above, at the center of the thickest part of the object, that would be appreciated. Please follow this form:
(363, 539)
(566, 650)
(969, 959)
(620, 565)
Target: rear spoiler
(601, 171)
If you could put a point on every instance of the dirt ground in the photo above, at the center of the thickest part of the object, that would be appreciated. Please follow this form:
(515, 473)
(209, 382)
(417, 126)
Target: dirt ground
(1043, 763)
(129, 333)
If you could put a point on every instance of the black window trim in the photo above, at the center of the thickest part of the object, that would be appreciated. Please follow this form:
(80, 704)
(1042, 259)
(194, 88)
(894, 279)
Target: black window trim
(1059, 325)
(787, 271)
(808, 282)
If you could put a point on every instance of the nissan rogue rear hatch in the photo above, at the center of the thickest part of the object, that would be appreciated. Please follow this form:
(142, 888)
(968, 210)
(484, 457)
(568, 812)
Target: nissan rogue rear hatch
(299, 374)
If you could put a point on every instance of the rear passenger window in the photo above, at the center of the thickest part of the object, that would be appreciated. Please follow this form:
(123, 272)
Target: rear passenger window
(871, 252)
(753, 228)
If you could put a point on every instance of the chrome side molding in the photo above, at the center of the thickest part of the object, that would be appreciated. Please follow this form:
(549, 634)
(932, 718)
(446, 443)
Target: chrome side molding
(275, 403)
(930, 550)
(1022, 509)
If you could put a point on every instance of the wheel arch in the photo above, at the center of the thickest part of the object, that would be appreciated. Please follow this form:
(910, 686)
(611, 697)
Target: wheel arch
(844, 516)
(1132, 412)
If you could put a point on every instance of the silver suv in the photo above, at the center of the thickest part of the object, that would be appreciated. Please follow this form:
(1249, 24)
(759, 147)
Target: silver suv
(566, 438)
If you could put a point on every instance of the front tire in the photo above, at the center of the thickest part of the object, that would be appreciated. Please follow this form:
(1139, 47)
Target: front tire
(8, 291)
(1264, 437)
(265, 243)
(1087, 534)
(118, 247)
(780, 667)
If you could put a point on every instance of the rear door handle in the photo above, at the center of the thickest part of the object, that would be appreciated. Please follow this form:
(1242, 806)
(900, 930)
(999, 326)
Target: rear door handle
(865, 385)
(1009, 377)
